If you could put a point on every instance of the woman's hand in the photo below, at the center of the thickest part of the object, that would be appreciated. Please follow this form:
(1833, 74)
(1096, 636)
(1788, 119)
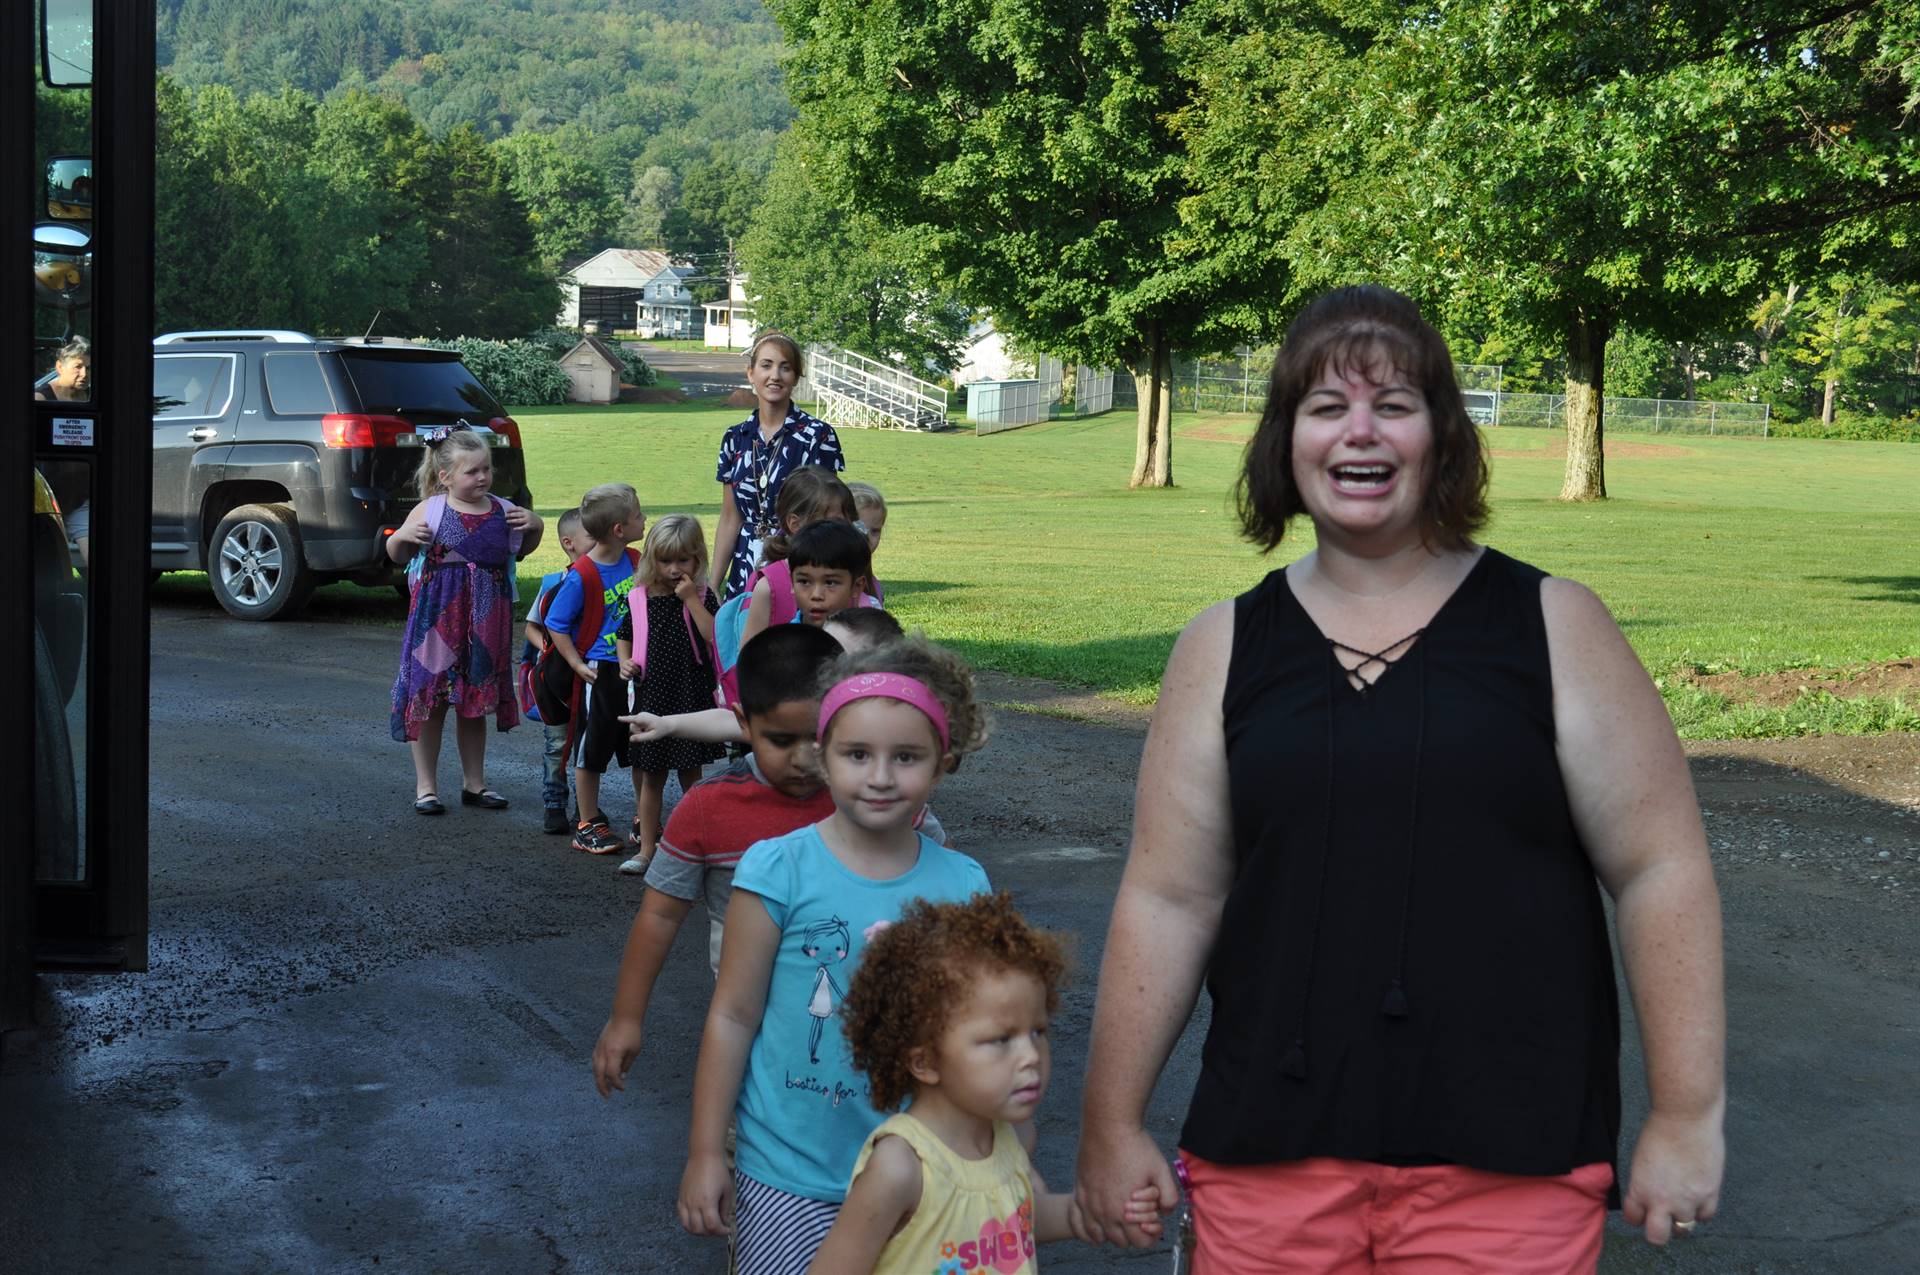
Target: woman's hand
(1123, 1180)
(706, 1195)
(1676, 1174)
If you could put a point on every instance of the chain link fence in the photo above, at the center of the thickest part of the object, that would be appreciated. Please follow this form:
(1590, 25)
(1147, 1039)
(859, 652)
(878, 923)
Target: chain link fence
(1639, 415)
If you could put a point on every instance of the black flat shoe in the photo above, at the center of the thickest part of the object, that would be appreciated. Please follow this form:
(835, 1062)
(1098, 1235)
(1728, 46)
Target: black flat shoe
(428, 805)
(486, 797)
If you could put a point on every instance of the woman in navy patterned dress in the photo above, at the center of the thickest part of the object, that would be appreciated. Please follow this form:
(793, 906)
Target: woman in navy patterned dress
(756, 456)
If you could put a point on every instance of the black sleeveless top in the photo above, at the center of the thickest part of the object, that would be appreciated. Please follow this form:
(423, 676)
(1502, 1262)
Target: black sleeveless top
(1412, 965)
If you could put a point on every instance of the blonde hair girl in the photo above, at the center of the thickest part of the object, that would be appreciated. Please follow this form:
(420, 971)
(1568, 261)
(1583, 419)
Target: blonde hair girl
(458, 652)
(666, 651)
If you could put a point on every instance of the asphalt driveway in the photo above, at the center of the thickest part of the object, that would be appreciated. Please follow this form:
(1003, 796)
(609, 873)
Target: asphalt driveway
(363, 1043)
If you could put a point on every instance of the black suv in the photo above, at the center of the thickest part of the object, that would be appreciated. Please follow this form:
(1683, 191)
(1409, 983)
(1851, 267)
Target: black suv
(282, 462)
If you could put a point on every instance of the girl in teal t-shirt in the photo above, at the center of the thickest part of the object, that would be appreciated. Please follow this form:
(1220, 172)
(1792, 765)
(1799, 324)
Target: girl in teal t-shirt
(892, 721)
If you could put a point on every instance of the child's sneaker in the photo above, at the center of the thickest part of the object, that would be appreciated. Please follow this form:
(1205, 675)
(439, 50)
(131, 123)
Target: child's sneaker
(637, 865)
(596, 838)
(555, 822)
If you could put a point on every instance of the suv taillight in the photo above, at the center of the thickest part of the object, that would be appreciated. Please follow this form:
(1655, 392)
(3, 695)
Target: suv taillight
(508, 426)
(357, 429)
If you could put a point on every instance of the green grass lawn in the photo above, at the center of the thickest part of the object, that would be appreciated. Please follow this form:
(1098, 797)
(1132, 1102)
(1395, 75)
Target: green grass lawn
(1026, 551)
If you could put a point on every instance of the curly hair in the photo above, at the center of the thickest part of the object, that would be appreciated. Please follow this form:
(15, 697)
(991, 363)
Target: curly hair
(916, 974)
(944, 673)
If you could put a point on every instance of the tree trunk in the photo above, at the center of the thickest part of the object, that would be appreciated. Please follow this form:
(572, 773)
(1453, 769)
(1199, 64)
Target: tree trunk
(1826, 402)
(1586, 477)
(1153, 437)
(1163, 451)
(1146, 392)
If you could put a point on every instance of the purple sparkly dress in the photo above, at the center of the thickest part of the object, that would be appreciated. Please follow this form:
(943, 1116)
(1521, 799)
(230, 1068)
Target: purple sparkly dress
(459, 644)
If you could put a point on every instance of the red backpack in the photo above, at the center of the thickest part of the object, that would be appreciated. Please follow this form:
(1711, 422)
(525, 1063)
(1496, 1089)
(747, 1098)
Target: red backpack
(555, 689)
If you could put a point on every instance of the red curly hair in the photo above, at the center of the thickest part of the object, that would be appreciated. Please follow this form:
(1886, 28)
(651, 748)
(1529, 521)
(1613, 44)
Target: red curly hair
(919, 970)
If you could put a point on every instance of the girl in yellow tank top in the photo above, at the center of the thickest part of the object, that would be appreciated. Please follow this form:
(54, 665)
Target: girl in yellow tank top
(949, 1008)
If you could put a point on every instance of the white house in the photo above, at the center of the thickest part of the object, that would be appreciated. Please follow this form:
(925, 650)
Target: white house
(730, 322)
(985, 357)
(594, 369)
(666, 304)
(606, 288)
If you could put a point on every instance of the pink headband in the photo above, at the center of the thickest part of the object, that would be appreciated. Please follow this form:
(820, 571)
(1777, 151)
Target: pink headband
(894, 686)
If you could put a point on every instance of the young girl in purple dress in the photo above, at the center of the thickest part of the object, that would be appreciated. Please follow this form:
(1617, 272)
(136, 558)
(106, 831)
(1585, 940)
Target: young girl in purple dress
(461, 542)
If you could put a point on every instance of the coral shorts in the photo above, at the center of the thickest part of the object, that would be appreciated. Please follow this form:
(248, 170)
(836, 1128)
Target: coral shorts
(1348, 1217)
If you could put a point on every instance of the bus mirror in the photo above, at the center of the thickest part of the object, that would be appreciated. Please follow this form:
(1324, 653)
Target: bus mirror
(62, 265)
(66, 44)
(70, 187)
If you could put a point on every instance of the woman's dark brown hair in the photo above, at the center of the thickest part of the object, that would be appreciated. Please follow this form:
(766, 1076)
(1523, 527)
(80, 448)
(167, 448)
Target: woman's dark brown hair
(1355, 330)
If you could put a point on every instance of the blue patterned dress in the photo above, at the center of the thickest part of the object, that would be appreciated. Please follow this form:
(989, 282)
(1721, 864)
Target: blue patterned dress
(755, 470)
(459, 644)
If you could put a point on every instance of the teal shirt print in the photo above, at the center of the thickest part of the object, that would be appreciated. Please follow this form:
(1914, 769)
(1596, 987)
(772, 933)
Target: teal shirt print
(804, 1112)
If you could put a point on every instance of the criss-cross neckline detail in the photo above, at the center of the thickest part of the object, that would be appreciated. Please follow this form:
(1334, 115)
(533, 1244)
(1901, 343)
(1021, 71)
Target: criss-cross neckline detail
(1356, 678)
(1356, 674)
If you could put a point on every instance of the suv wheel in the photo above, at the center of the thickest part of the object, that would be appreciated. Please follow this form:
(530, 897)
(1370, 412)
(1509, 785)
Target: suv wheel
(256, 564)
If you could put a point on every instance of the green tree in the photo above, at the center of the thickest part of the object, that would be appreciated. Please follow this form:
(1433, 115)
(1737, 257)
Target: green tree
(824, 272)
(654, 192)
(1025, 148)
(569, 205)
(1574, 168)
(717, 203)
(1855, 331)
(484, 275)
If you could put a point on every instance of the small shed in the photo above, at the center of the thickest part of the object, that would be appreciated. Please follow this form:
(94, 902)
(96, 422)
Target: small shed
(595, 370)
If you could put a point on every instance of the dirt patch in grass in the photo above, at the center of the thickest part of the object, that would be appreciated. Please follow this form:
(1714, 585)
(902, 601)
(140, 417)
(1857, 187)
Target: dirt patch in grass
(1777, 690)
(1556, 449)
(741, 398)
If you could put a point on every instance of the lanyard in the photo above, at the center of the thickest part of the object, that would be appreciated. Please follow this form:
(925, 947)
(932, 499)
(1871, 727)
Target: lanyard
(763, 493)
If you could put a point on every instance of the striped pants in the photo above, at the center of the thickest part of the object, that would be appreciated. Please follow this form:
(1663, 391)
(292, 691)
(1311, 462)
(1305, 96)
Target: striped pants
(776, 1233)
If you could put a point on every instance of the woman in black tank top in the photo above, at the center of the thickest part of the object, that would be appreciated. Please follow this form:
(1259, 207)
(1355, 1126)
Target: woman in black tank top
(1376, 796)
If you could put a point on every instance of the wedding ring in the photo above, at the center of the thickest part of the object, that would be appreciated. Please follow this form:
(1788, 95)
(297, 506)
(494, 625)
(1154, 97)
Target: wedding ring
(1685, 1228)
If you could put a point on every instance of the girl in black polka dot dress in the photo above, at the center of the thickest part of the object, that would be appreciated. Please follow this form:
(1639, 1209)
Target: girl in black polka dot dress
(673, 669)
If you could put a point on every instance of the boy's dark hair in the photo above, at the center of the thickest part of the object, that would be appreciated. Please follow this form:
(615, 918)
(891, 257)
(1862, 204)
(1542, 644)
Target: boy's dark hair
(915, 973)
(834, 545)
(782, 664)
(870, 624)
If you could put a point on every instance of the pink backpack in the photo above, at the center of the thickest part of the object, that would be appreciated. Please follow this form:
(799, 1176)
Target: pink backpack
(639, 617)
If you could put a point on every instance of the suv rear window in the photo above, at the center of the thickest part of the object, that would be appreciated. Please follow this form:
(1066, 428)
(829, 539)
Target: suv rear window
(389, 384)
(296, 386)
